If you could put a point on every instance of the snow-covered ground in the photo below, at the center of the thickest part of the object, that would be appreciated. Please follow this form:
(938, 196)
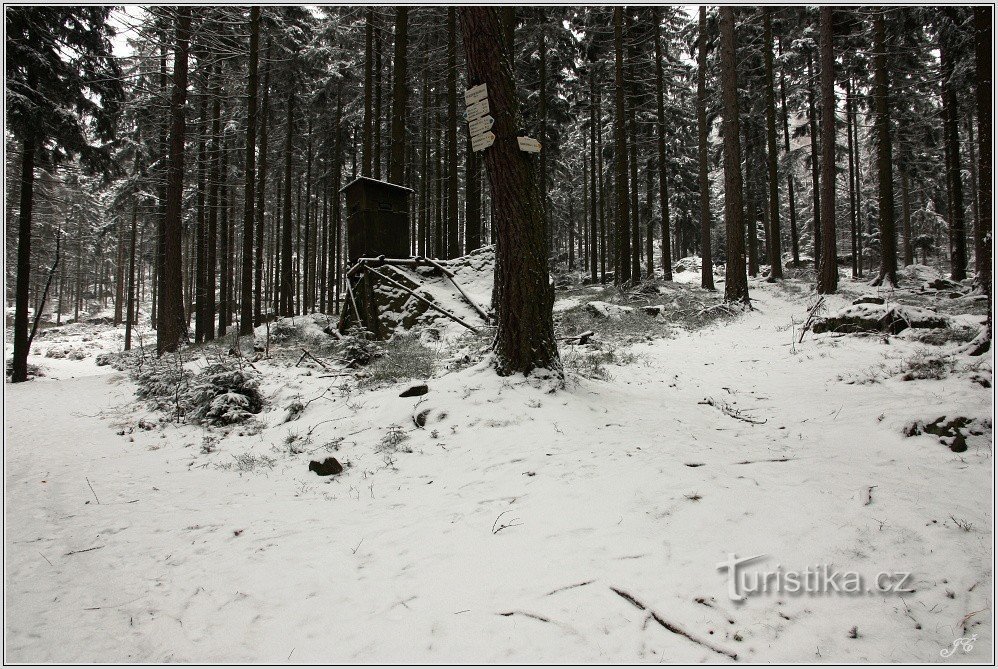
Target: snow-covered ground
(517, 524)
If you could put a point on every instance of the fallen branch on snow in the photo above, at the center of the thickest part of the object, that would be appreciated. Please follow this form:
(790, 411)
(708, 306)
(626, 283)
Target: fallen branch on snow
(729, 410)
(675, 629)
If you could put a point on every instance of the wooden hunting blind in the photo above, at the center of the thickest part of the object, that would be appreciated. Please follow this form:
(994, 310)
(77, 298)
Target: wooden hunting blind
(377, 219)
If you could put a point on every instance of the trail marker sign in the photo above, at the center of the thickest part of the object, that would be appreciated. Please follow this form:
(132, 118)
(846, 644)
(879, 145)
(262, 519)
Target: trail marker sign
(475, 94)
(529, 144)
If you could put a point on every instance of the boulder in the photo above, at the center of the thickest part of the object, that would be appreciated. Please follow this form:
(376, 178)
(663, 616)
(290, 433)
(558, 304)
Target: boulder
(892, 318)
(328, 467)
(607, 310)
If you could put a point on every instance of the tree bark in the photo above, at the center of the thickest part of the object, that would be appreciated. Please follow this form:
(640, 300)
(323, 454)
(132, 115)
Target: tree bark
(287, 271)
(773, 236)
(736, 280)
(882, 130)
(791, 203)
(828, 279)
(453, 239)
(171, 322)
(249, 199)
(261, 194)
(812, 126)
(623, 227)
(365, 169)
(400, 92)
(663, 179)
(19, 364)
(982, 62)
(703, 158)
(524, 339)
(948, 57)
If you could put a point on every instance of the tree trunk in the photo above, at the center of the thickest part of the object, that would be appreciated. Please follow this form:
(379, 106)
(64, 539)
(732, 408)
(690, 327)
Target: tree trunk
(853, 225)
(906, 250)
(261, 194)
(882, 130)
(594, 236)
(542, 95)
(828, 278)
(453, 240)
(623, 261)
(287, 271)
(812, 126)
(214, 179)
(400, 92)
(524, 340)
(130, 312)
(225, 240)
(703, 158)
(736, 280)
(983, 46)
(171, 322)
(19, 364)
(663, 179)
(948, 57)
(202, 223)
(791, 203)
(773, 236)
(365, 169)
(249, 199)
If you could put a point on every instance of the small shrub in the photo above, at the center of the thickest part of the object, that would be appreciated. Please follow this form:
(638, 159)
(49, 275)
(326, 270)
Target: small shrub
(403, 357)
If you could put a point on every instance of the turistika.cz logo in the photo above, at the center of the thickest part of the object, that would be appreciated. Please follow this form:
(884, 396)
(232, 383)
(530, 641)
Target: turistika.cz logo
(819, 579)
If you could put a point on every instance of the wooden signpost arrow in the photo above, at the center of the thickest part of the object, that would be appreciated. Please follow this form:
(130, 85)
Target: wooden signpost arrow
(475, 94)
(529, 144)
(481, 125)
(479, 121)
(483, 141)
(480, 108)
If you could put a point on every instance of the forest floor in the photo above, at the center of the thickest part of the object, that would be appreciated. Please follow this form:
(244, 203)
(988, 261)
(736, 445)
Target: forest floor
(504, 520)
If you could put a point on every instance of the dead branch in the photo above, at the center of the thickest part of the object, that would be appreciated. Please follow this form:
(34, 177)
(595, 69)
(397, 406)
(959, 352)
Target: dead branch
(729, 410)
(675, 629)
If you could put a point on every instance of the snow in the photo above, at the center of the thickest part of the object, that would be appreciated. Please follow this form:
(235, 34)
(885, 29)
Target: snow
(500, 530)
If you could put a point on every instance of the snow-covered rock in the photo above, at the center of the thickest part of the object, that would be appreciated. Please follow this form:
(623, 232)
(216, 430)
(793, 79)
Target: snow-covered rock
(867, 317)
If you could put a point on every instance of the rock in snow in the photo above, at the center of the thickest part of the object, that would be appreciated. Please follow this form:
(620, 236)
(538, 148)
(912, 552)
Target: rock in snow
(892, 318)
(607, 310)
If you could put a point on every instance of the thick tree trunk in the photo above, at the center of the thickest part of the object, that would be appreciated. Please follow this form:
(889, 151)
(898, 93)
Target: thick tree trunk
(171, 323)
(736, 281)
(703, 158)
(524, 339)
(19, 364)
(622, 265)
(983, 47)
(882, 131)
(958, 232)
(453, 240)
(400, 92)
(828, 278)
